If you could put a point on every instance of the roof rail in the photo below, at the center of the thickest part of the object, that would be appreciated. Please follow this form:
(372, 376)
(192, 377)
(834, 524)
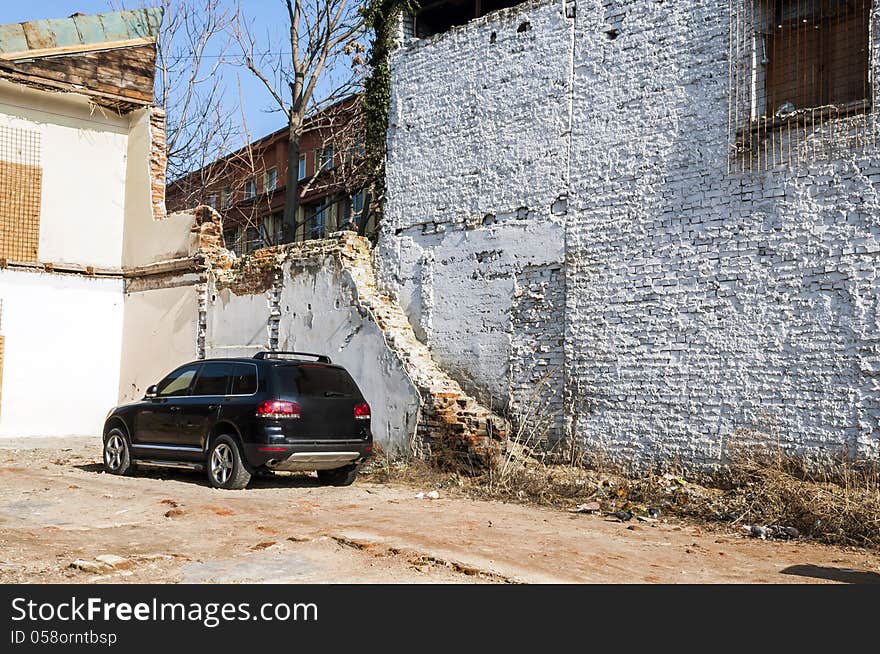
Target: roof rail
(321, 358)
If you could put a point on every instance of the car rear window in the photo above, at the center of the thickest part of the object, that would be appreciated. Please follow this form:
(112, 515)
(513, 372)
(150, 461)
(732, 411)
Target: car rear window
(314, 381)
(244, 379)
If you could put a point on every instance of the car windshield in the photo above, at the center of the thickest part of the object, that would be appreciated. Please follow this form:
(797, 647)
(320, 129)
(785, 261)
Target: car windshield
(314, 380)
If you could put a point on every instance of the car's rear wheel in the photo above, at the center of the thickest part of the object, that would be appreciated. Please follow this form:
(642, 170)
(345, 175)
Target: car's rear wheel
(339, 477)
(226, 467)
(117, 453)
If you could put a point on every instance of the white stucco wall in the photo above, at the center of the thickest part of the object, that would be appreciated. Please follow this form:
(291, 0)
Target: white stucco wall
(237, 325)
(147, 240)
(318, 314)
(83, 157)
(160, 333)
(63, 342)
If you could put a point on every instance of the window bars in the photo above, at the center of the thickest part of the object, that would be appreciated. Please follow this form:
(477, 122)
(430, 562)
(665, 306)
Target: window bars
(801, 81)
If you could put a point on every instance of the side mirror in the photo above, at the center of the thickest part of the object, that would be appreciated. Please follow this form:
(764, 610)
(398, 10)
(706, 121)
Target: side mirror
(152, 392)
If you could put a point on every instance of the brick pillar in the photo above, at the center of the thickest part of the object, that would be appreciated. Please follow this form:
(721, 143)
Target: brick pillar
(158, 161)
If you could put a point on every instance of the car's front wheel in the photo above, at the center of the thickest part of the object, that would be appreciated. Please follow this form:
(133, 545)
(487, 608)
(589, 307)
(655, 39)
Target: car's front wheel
(226, 467)
(117, 454)
(339, 477)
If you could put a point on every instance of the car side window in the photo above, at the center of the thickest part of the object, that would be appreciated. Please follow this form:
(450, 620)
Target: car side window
(244, 379)
(213, 379)
(178, 382)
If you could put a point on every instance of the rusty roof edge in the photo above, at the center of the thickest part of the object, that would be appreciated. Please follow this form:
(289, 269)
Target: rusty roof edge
(80, 32)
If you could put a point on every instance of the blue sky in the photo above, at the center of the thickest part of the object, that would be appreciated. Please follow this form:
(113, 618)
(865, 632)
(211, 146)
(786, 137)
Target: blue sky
(266, 14)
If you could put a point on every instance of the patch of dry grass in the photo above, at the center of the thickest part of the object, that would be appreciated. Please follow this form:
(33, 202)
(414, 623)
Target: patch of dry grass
(838, 505)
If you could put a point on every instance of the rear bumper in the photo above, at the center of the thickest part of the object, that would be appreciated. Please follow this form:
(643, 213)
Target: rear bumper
(312, 455)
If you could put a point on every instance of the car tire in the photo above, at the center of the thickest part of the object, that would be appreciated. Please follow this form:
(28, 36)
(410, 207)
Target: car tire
(117, 453)
(226, 468)
(338, 477)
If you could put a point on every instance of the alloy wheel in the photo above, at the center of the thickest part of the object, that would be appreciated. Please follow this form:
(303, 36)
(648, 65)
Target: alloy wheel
(114, 451)
(222, 463)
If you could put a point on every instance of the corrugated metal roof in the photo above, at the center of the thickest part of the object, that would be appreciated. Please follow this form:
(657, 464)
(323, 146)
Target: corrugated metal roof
(79, 31)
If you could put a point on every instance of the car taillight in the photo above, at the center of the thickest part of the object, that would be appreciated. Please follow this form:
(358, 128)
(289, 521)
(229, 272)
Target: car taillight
(278, 409)
(362, 411)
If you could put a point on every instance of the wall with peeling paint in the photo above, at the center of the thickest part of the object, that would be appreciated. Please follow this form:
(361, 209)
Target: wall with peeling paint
(477, 182)
(319, 313)
(63, 341)
(707, 307)
(310, 304)
(83, 157)
(700, 307)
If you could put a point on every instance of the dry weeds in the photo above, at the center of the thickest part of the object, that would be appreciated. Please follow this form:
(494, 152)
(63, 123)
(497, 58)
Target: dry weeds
(838, 505)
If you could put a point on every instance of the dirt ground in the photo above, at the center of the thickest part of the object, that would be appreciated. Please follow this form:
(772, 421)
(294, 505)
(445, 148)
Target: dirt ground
(58, 508)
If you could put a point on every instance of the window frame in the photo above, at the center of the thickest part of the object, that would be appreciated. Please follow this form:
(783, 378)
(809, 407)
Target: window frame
(233, 375)
(250, 188)
(274, 185)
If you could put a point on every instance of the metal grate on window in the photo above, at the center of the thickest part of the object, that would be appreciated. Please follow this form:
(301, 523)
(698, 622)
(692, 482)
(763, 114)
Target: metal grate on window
(21, 184)
(800, 81)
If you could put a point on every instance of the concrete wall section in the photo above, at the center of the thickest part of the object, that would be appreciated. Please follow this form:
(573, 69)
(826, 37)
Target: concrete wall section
(237, 325)
(63, 339)
(83, 157)
(319, 313)
(160, 333)
(148, 240)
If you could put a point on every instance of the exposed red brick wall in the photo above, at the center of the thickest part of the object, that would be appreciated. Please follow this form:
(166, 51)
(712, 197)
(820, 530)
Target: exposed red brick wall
(158, 161)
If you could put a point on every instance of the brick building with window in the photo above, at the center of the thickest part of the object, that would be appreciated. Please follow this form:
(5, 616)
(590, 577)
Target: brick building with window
(653, 224)
(248, 187)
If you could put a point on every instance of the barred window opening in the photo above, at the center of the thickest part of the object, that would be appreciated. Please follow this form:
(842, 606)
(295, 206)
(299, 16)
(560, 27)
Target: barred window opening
(800, 77)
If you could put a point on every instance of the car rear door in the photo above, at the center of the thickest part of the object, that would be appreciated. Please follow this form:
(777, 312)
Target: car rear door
(327, 396)
(199, 410)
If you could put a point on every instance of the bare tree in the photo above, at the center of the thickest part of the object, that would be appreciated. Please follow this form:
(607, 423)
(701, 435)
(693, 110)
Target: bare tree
(191, 58)
(313, 68)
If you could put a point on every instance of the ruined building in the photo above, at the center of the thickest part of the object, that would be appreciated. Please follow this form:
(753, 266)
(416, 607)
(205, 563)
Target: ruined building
(81, 171)
(650, 226)
(646, 229)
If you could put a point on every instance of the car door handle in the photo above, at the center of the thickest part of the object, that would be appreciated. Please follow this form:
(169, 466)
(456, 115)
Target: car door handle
(212, 407)
(175, 409)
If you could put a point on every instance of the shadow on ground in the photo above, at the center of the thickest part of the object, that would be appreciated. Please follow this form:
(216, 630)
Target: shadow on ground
(276, 480)
(843, 575)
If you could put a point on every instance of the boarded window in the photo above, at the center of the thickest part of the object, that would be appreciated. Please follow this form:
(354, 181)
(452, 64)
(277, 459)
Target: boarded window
(800, 87)
(21, 183)
(816, 54)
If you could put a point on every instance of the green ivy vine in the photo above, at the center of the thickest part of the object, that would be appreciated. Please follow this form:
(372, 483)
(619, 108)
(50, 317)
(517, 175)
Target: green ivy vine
(382, 18)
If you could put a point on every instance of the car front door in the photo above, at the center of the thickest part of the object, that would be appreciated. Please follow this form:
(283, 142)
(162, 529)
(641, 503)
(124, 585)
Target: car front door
(199, 410)
(156, 424)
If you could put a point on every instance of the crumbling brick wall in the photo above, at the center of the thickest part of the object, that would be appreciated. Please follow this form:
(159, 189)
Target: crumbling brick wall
(477, 178)
(158, 161)
(702, 306)
(321, 296)
(537, 355)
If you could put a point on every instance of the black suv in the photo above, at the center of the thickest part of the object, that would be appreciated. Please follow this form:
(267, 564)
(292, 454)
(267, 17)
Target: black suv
(238, 417)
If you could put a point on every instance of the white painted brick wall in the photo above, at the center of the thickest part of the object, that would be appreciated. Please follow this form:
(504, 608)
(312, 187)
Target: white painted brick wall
(702, 307)
(478, 157)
